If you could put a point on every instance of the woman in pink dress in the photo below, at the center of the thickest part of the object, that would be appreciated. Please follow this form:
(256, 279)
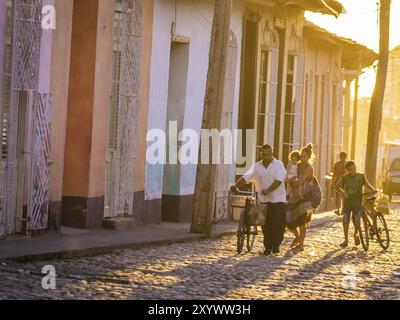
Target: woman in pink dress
(300, 211)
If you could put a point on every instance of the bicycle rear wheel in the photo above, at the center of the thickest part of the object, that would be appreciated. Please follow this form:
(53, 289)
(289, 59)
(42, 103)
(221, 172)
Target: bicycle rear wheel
(382, 231)
(241, 233)
(251, 237)
(363, 231)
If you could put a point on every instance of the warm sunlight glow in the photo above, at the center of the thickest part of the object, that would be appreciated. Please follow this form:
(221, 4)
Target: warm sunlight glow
(360, 23)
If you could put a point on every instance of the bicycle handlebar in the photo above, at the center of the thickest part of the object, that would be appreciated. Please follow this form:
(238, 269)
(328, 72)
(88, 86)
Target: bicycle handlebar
(370, 194)
(245, 193)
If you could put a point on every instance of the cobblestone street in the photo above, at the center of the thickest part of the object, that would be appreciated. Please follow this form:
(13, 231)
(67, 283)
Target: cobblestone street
(212, 270)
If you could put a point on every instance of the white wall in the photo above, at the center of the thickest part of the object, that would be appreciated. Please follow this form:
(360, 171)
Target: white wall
(323, 60)
(193, 20)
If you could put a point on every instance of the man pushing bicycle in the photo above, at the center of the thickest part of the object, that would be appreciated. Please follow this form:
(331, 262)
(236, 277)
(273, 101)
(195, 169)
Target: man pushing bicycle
(351, 187)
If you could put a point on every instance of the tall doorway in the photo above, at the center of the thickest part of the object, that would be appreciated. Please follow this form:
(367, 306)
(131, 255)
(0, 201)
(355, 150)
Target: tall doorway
(123, 111)
(172, 201)
(248, 83)
(25, 122)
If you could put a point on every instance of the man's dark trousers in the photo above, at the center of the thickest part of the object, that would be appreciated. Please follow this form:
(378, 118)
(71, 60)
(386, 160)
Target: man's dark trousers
(275, 225)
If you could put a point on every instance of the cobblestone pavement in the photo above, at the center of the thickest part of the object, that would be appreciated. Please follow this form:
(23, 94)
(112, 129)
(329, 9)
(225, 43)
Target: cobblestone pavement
(212, 270)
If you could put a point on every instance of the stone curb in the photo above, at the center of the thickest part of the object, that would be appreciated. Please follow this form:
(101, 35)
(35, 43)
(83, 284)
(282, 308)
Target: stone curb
(93, 251)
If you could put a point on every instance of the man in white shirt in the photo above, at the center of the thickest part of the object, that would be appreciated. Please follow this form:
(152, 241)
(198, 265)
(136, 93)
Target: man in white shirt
(269, 176)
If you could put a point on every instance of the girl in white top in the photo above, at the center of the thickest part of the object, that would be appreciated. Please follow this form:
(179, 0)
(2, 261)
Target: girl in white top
(292, 171)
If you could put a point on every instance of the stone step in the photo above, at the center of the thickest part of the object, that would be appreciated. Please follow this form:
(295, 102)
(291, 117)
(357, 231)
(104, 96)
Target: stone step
(123, 223)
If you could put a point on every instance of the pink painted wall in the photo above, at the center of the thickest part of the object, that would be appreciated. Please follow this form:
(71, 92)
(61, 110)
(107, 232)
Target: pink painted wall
(43, 87)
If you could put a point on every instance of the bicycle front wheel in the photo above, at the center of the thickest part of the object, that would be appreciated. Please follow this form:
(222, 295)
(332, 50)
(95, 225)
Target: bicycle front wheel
(382, 231)
(363, 231)
(241, 233)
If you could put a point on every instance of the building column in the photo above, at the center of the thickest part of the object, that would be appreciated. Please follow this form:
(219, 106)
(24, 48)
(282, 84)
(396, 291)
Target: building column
(87, 115)
(346, 117)
(142, 127)
(204, 199)
(355, 117)
(60, 67)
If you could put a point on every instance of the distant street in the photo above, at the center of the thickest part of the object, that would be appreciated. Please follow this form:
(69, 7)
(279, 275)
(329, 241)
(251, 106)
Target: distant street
(212, 270)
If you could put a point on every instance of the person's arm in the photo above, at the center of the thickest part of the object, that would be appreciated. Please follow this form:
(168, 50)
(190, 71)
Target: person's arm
(334, 178)
(280, 176)
(369, 186)
(287, 169)
(339, 187)
(273, 187)
(238, 185)
(307, 175)
(245, 179)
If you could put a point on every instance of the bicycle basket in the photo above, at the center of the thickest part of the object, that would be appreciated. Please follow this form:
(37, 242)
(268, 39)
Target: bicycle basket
(256, 213)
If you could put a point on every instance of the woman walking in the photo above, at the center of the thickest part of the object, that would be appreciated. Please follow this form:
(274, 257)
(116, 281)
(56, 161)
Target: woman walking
(299, 210)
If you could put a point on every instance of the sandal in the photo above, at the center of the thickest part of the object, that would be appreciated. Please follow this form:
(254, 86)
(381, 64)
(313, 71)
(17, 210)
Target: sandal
(344, 244)
(357, 240)
(295, 243)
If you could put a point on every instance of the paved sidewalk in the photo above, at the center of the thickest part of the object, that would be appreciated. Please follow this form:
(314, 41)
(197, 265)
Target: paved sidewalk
(72, 243)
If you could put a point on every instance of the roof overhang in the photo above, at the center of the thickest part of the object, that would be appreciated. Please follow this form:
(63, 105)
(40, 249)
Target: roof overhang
(355, 56)
(330, 7)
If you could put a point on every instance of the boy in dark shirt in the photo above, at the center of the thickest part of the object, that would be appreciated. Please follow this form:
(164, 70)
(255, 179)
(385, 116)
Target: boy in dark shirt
(351, 187)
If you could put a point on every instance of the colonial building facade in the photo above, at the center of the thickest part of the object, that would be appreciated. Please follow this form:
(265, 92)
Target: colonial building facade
(332, 63)
(78, 100)
(25, 110)
(73, 99)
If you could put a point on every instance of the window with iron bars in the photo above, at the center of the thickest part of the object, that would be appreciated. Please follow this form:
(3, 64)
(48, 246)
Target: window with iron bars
(7, 80)
(268, 83)
(262, 100)
(292, 100)
(115, 81)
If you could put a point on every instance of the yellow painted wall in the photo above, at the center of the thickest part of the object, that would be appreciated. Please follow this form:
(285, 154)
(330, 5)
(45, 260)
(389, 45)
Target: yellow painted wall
(140, 174)
(61, 49)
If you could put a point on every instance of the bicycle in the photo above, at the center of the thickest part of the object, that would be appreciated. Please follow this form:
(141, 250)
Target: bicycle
(252, 216)
(372, 223)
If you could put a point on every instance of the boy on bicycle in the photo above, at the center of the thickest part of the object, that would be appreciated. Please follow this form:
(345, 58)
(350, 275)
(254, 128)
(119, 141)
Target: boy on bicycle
(350, 186)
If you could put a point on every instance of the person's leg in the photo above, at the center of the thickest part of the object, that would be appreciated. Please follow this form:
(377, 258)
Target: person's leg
(303, 232)
(337, 200)
(296, 240)
(279, 226)
(356, 224)
(264, 231)
(291, 225)
(346, 223)
(300, 232)
(273, 226)
(268, 229)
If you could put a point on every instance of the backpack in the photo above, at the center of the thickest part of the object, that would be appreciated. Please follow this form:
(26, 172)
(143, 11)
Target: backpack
(314, 193)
